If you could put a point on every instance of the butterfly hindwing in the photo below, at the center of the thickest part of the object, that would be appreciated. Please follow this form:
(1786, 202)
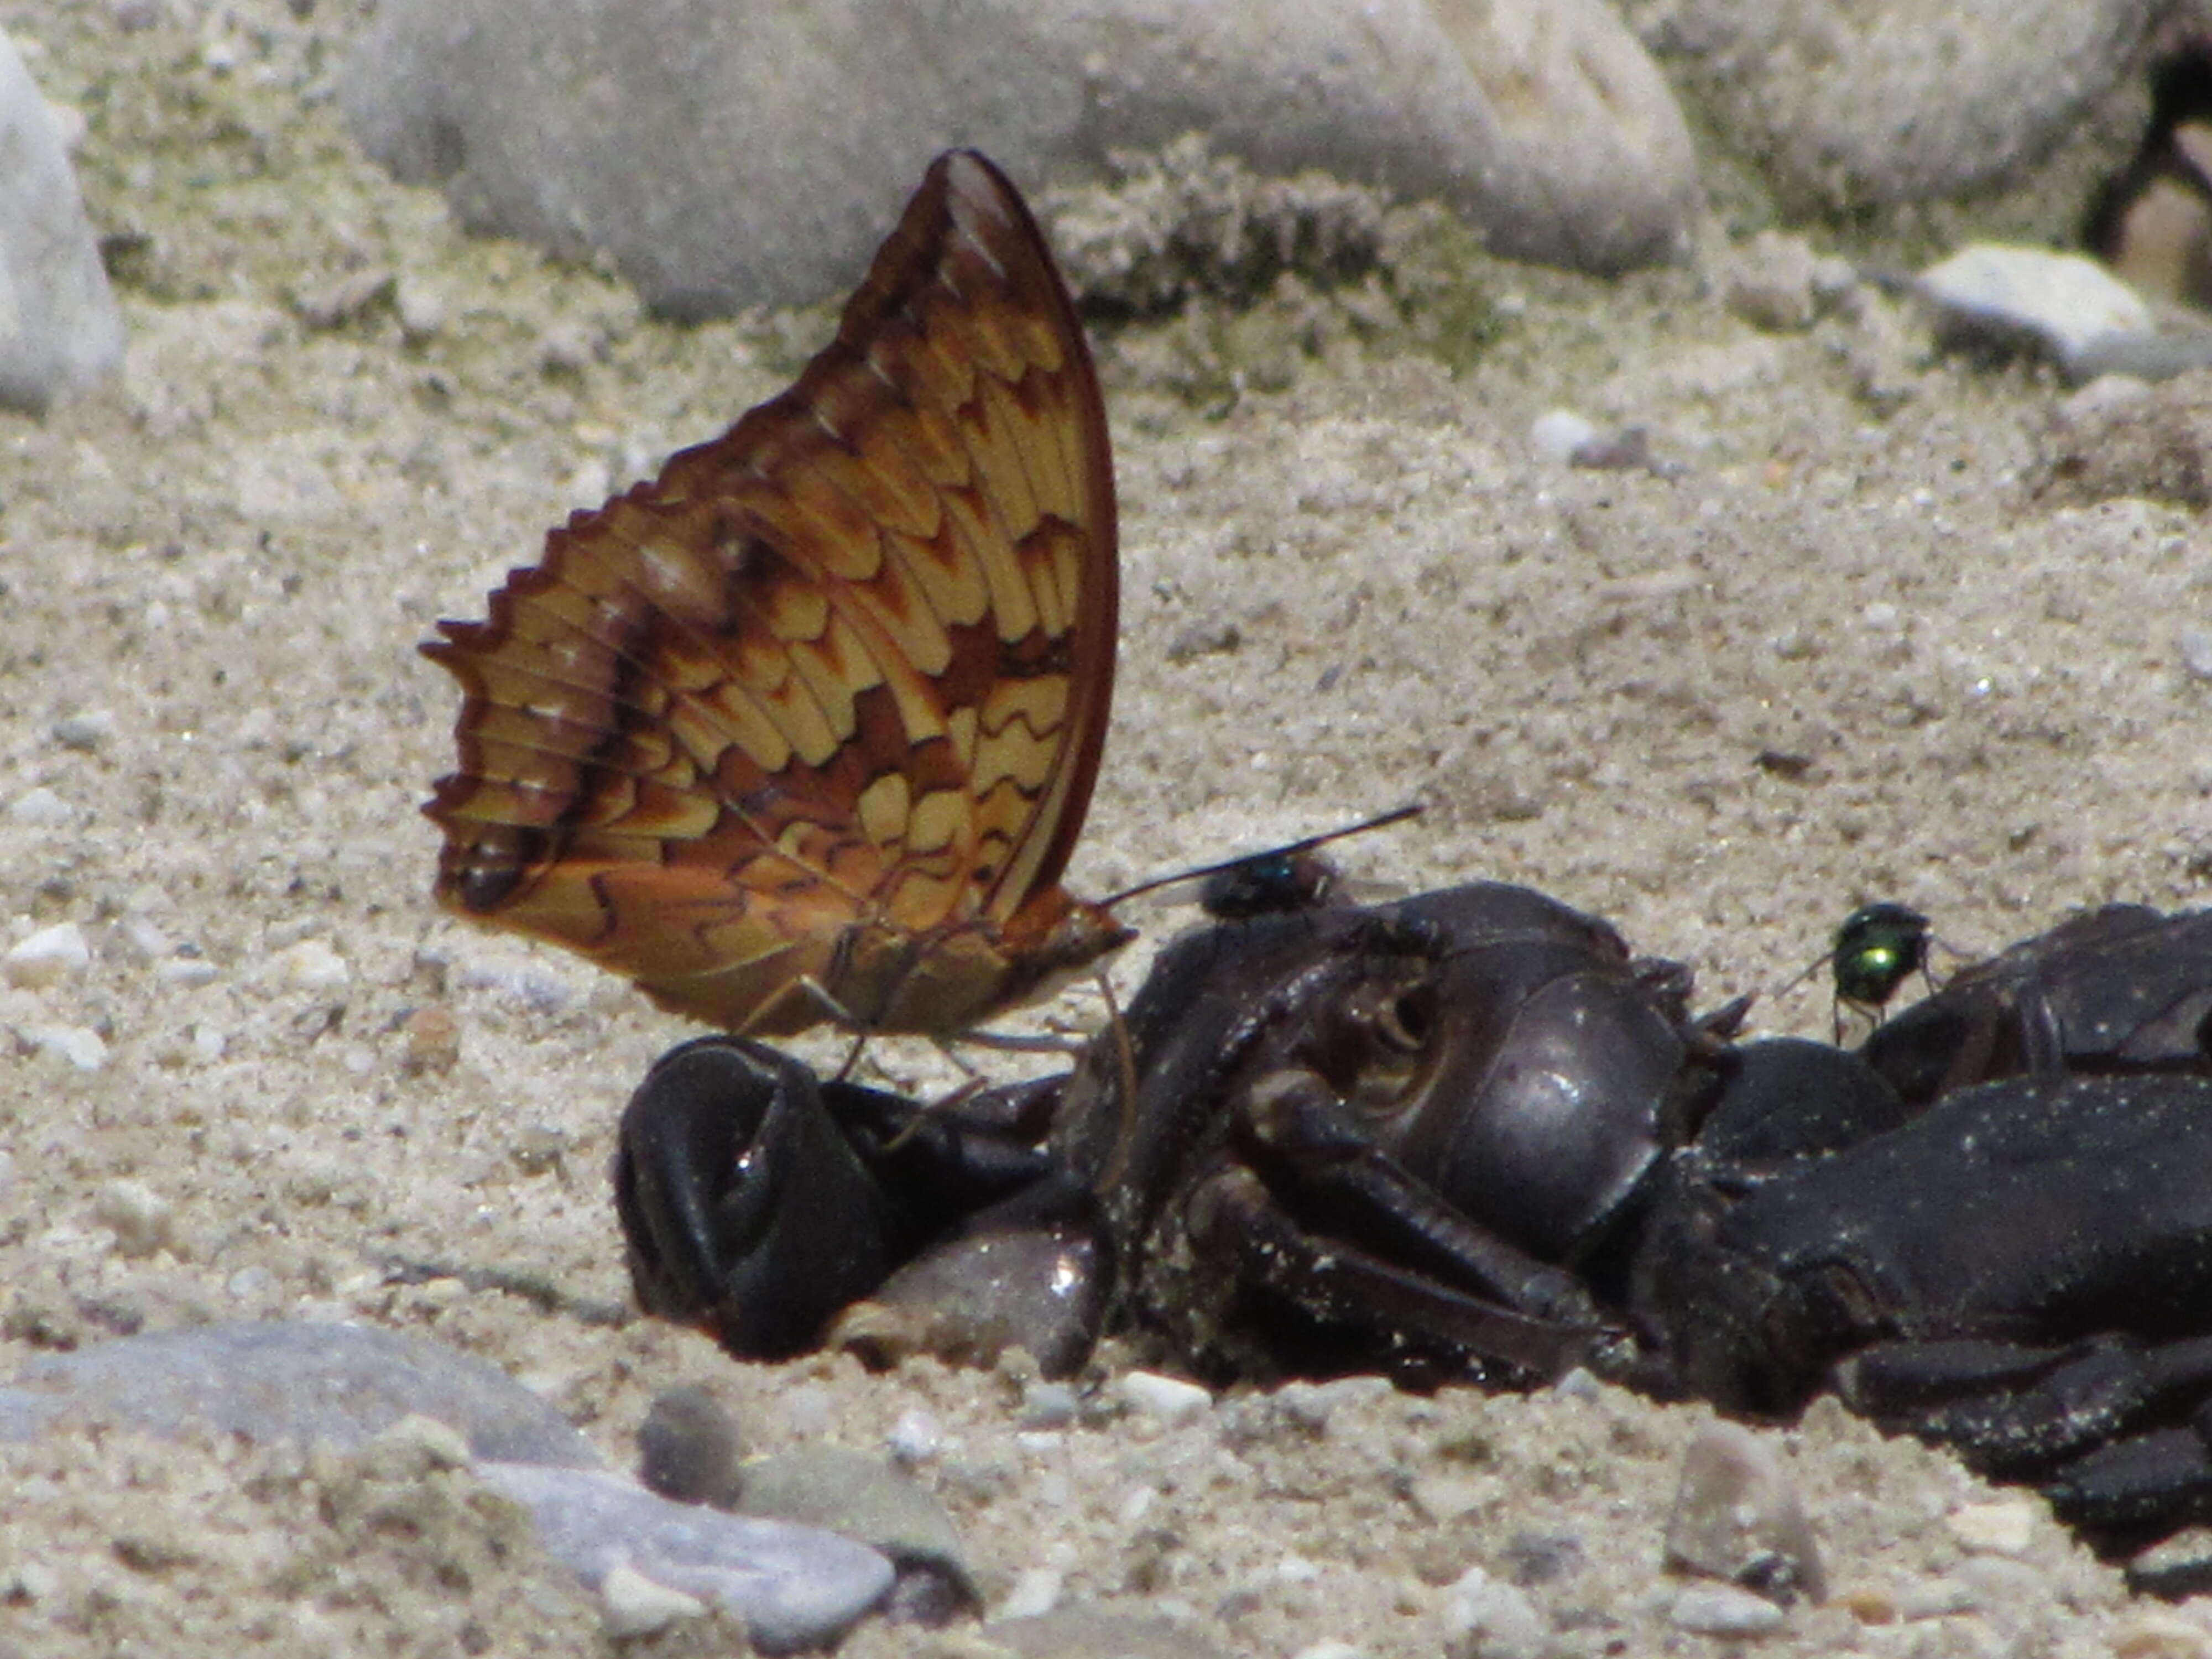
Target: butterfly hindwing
(825, 700)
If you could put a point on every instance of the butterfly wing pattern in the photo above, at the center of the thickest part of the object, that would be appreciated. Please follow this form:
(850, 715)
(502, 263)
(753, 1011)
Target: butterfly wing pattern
(807, 726)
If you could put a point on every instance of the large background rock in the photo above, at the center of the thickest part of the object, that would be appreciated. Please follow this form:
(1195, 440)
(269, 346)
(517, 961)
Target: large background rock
(729, 154)
(1893, 101)
(60, 330)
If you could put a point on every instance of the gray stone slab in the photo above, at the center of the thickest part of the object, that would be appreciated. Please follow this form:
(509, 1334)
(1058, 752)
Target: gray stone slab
(728, 154)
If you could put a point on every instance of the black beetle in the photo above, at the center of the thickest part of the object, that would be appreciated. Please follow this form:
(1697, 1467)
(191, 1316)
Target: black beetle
(1468, 1133)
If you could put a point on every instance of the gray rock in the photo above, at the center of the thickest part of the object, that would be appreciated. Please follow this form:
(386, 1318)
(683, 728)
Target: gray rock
(794, 1587)
(1485, 1618)
(862, 1497)
(1770, 282)
(399, 1400)
(688, 1447)
(969, 1298)
(1724, 1610)
(1895, 101)
(1737, 1516)
(632, 1605)
(338, 1386)
(2142, 356)
(2196, 646)
(725, 154)
(60, 330)
(2002, 296)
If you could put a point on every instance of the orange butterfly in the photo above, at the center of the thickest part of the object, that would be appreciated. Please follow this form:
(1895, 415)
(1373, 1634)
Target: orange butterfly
(806, 727)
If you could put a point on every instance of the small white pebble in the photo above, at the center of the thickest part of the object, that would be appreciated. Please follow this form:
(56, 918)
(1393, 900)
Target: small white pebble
(2105, 392)
(1307, 1405)
(47, 958)
(1556, 433)
(1445, 1498)
(1724, 1610)
(422, 311)
(187, 971)
(85, 731)
(564, 350)
(208, 1043)
(632, 1605)
(1579, 1384)
(1934, 1598)
(311, 965)
(537, 988)
(809, 1407)
(1332, 1651)
(142, 937)
(41, 808)
(1486, 1617)
(1999, 1581)
(916, 1437)
(1168, 1400)
(2197, 650)
(1036, 1592)
(2005, 1528)
(140, 1218)
(1048, 1406)
(248, 1282)
(80, 1045)
(2156, 1633)
(1311, 1406)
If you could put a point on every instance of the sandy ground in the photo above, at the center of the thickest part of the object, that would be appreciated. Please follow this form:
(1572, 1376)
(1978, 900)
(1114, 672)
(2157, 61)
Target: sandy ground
(1364, 589)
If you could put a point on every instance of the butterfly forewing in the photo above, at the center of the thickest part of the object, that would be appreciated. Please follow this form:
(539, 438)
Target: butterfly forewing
(809, 722)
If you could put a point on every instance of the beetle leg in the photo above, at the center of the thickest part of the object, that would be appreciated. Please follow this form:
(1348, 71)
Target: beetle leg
(1235, 1221)
(2024, 1414)
(1347, 1232)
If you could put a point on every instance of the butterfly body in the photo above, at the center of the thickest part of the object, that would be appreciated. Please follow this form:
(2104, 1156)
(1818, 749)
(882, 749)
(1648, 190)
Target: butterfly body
(805, 728)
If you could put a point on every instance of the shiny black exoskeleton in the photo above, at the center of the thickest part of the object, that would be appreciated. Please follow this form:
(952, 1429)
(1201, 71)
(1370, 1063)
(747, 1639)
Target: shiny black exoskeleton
(1468, 1133)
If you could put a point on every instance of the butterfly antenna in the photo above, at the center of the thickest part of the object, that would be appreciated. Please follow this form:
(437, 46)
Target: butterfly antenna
(1395, 815)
